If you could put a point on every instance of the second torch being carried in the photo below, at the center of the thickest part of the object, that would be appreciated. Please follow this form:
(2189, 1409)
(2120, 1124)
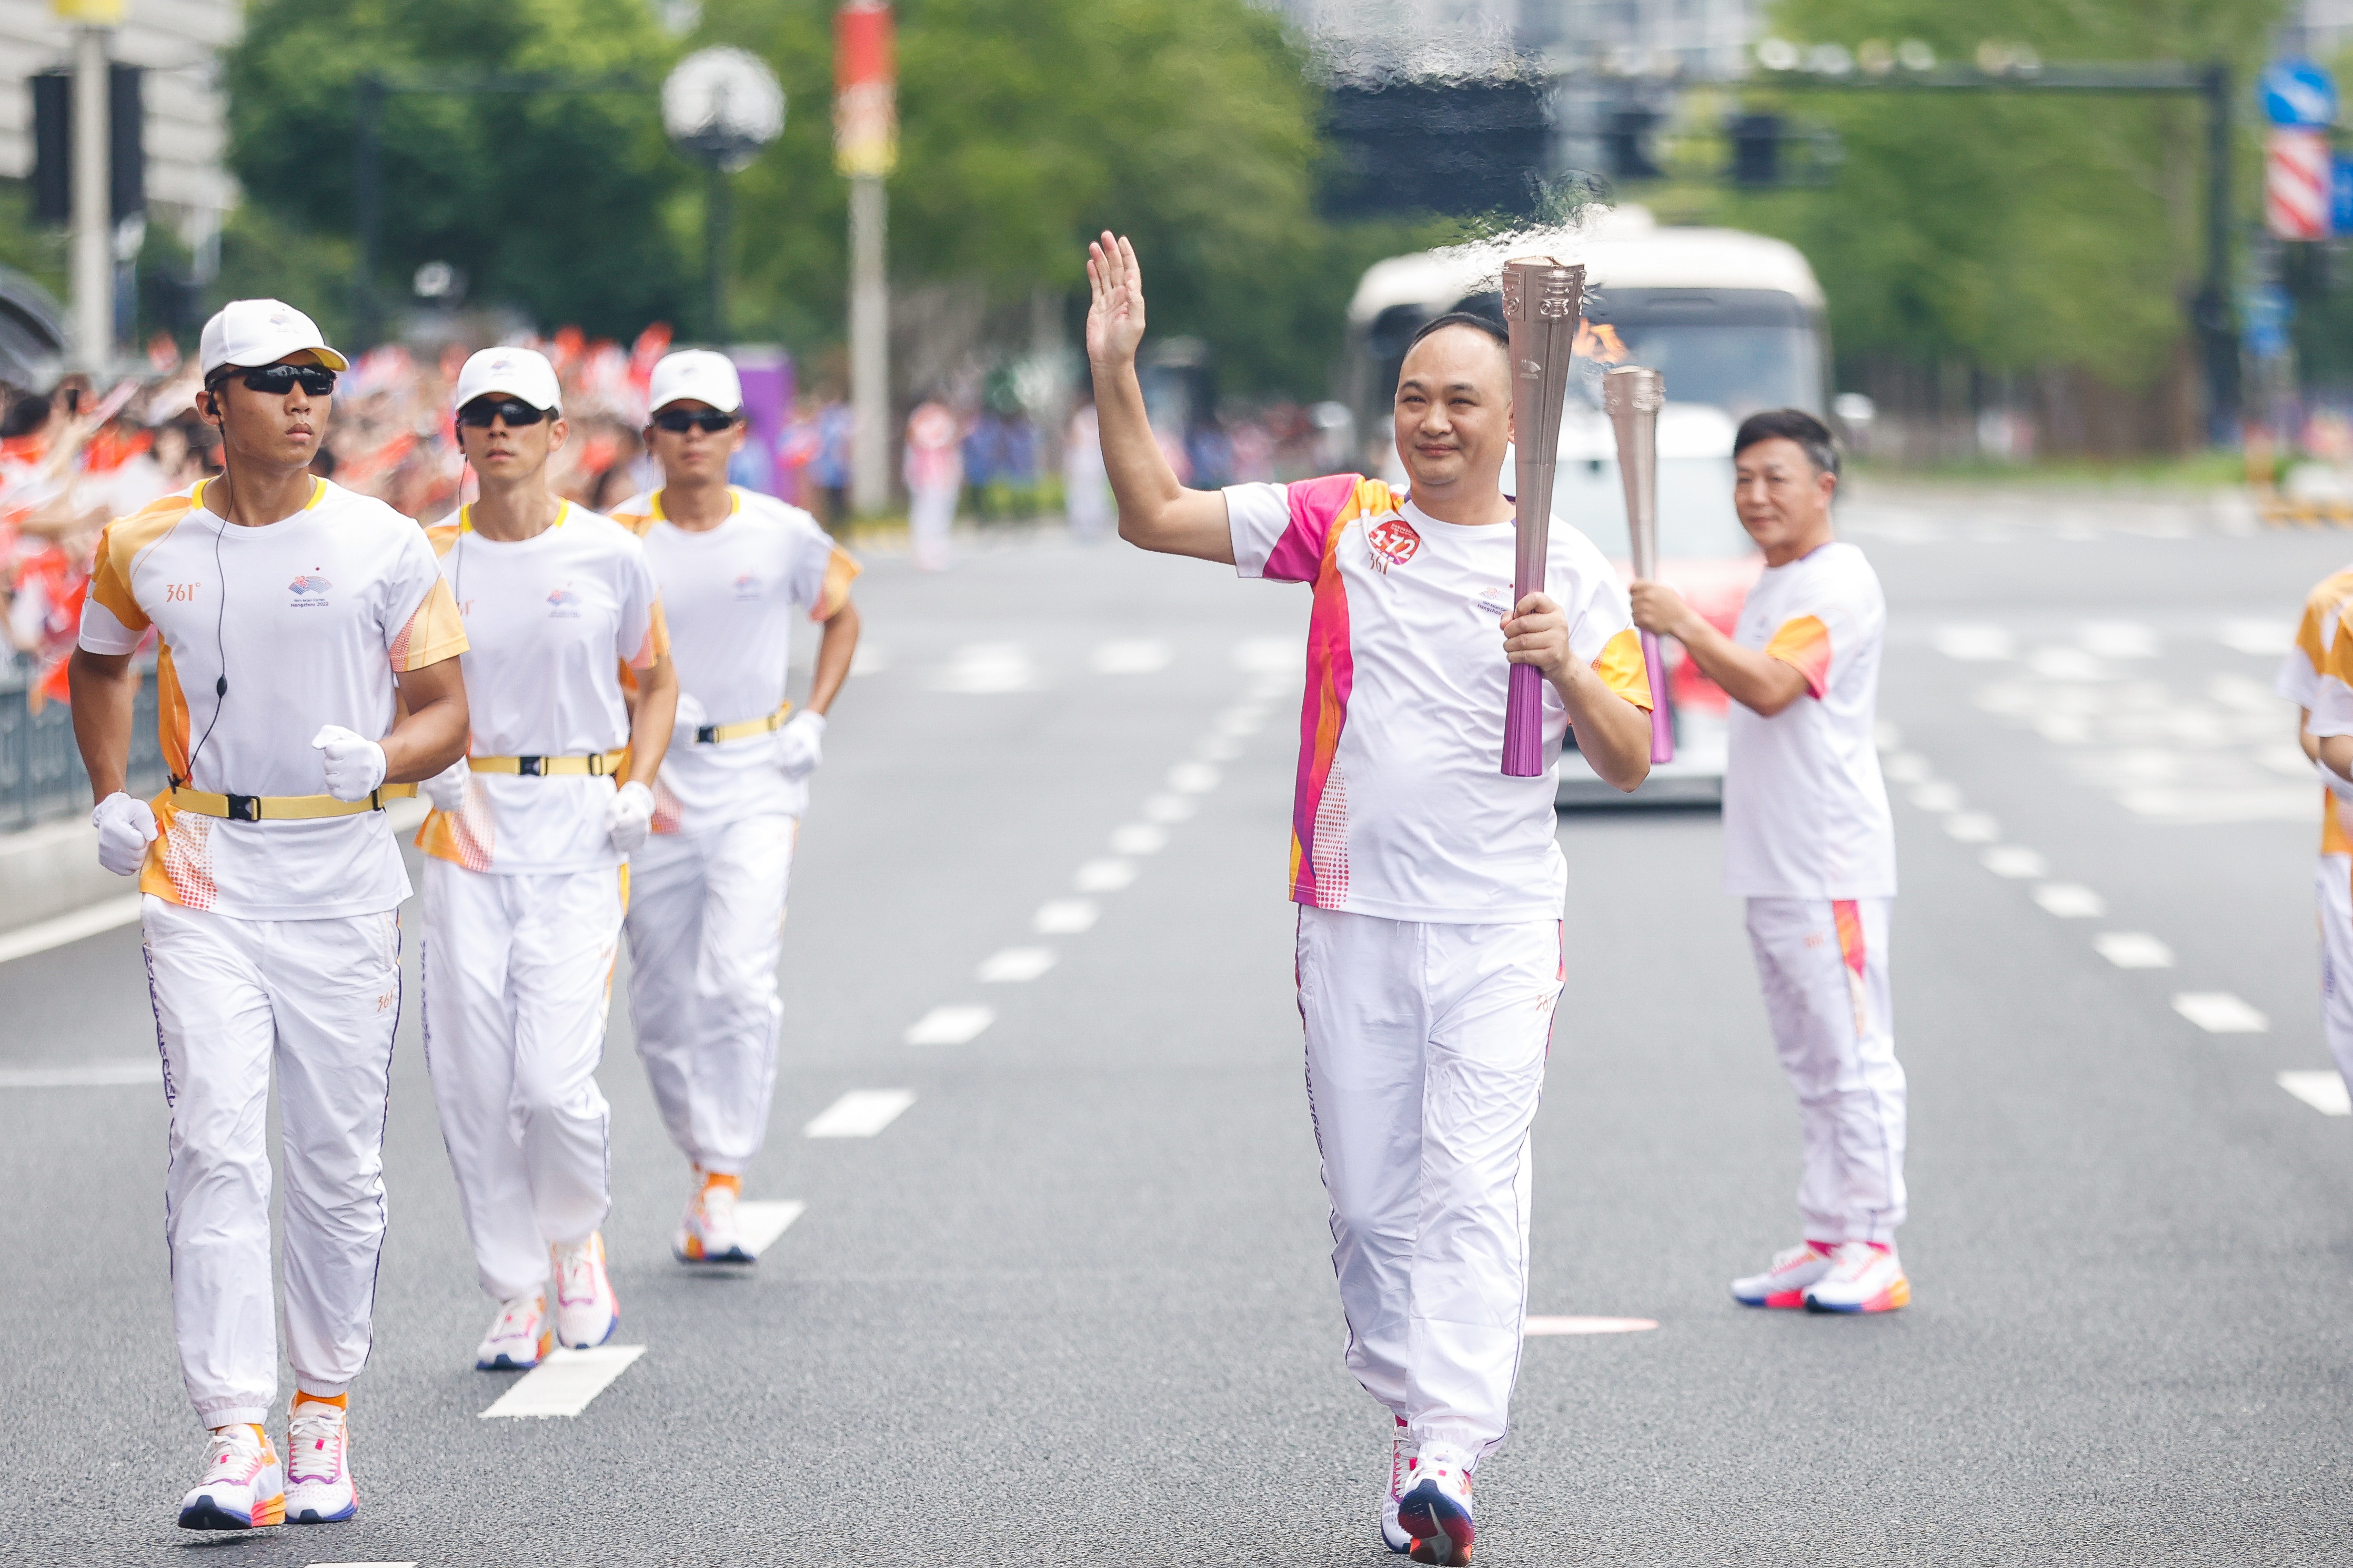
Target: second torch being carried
(1632, 397)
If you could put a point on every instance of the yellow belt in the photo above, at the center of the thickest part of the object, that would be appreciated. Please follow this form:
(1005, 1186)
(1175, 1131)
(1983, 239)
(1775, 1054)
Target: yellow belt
(711, 734)
(282, 807)
(594, 766)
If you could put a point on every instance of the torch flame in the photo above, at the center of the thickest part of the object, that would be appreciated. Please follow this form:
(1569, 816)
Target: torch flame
(1599, 343)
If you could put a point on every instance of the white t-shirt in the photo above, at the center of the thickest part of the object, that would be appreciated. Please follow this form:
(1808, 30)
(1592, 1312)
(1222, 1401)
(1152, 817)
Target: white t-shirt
(1402, 807)
(730, 595)
(549, 622)
(2300, 681)
(321, 609)
(1805, 809)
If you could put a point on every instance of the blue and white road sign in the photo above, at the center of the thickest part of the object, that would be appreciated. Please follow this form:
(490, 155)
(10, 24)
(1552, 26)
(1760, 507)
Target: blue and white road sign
(2340, 195)
(2298, 93)
(2264, 315)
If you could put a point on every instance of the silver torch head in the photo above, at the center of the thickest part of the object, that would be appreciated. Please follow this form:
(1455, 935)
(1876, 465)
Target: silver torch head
(1543, 298)
(1633, 396)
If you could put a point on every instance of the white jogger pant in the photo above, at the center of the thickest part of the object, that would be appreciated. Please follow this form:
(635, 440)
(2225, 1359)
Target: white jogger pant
(319, 1000)
(1823, 967)
(2334, 886)
(1426, 1047)
(706, 926)
(518, 977)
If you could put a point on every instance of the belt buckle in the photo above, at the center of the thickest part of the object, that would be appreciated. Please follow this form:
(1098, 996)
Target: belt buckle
(528, 766)
(707, 734)
(244, 807)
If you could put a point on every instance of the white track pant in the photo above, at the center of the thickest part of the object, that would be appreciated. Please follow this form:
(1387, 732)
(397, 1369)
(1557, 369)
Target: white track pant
(518, 977)
(1823, 965)
(320, 1000)
(706, 925)
(2334, 885)
(1426, 1049)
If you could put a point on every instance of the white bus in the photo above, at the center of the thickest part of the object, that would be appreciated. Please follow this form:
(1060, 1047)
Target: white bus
(1734, 322)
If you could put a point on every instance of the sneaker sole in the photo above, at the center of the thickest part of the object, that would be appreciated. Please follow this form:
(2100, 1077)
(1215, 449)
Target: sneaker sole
(1895, 1296)
(206, 1514)
(610, 1330)
(1779, 1299)
(312, 1516)
(693, 1254)
(1441, 1532)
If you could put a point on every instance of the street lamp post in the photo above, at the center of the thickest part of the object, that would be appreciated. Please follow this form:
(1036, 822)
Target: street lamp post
(721, 106)
(93, 206)
(866, 148)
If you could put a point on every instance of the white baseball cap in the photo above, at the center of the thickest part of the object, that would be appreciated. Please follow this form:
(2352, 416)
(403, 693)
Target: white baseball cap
(698, 374)
(519, 372)
(255, 333)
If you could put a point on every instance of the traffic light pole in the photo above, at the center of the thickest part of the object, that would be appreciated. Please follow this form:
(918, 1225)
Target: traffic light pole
(2212, 318)
(93, 206)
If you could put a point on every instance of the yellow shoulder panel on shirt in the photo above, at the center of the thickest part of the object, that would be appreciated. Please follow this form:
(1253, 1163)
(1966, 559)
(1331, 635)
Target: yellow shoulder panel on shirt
(838, 571)
(637, 522)
(2329, 599)
(118, 550)
(441, 536)
(433, 634)
(1621, 670)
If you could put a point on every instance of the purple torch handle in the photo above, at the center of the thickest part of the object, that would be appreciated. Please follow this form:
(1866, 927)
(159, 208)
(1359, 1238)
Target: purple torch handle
(1662, 723)
(1524, 723)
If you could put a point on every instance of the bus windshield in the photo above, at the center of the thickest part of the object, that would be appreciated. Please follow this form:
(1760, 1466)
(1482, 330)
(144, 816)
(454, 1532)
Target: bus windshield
(1739, 369)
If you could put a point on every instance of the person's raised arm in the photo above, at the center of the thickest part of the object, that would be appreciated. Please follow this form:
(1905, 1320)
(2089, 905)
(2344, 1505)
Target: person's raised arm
(1156, 513)
(1756, 681)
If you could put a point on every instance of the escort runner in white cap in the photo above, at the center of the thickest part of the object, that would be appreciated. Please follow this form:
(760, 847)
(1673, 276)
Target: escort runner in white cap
(707, 896)
(1808, 844)
(289, 615)
(526, 874)
(2316, 675)
(1429, 956)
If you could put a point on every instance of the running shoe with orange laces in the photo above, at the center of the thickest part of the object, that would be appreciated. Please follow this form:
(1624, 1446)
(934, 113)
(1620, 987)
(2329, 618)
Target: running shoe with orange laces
(244, 1486)
(586, 1311)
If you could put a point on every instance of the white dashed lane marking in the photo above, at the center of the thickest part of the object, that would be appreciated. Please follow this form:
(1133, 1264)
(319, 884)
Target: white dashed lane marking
(1133, 656)
(1064, 917)
(2221, 1012)
(2070, 901)
(1972, 827)
(2012, 861)
(988, 670)
(952, 1024)
(1540, 1327)
(2324, 1092)
(860, 1113)
(2132, 949)
(106, 915)
(1012, 964)
(1169, 808)
(1193, 778)
(1139, 838)
(129, 1072)
(1105, 876)
(564, 1382)
(760, 1224)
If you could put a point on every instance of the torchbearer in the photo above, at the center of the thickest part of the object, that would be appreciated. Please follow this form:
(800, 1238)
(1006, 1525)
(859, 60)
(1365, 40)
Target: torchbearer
(2313, 676)
(308, 653)
(526, 851)
(737, 570)
(1808, 844)
(1430, 952)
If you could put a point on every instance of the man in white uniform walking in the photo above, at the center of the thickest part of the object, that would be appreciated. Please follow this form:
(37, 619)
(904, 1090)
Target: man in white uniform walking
(525, 881)
(737, 570)
(288, 612)
(2304, 672)
(1430, 885)
(1808, 842)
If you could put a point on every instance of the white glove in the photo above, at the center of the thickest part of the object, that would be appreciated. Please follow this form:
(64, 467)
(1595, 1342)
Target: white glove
(125, 827)
(446, 791)
(630, 817)
(354, 764)
(2342, 789)
(800, 745)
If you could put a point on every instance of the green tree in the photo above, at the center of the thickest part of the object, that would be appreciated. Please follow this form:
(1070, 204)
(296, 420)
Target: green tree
(2013, 231)
(566, 203)
(1026, 126)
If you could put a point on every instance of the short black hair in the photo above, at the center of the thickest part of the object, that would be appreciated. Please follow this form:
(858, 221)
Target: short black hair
(1472, 319)
(1791, 425)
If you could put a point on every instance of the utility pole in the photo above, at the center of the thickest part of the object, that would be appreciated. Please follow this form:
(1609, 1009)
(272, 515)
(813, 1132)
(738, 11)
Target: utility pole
(93, 179)
(866, 147)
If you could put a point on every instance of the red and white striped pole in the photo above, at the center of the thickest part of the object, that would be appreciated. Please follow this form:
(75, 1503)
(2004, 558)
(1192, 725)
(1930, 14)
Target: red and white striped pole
(2295, 183)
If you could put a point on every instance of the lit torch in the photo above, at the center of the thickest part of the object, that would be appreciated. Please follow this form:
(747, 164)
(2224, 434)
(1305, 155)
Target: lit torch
(1633, 396)
(1541, 297)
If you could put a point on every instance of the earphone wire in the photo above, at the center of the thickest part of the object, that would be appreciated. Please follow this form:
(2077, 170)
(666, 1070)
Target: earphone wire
(220, 618)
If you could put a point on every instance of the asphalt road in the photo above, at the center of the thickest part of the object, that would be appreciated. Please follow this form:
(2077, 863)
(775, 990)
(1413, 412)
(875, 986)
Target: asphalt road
(1074, 1301)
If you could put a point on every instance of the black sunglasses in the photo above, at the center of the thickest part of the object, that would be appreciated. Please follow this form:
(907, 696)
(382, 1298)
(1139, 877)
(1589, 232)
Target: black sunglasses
(277, 380)
(513, 410)
(678, 421)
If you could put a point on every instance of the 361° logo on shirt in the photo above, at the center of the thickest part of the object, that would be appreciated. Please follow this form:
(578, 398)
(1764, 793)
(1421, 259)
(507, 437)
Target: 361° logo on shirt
(1393, 542)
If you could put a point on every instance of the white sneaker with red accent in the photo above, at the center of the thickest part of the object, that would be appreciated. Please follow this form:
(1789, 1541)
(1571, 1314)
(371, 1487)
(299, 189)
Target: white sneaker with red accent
(1862, 1279)
(319, 1489)
(587, 1310)
(1436, 1508)
(1392, 1535)
(708, 1232)
(1783, 1284)
(519, 1335)
(244, 1486)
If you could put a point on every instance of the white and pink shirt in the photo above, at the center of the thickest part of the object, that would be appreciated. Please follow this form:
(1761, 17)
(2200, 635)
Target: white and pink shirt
(1402, 809)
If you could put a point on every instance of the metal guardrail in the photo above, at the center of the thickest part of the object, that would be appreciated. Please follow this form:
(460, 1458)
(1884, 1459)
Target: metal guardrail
(41, 775)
